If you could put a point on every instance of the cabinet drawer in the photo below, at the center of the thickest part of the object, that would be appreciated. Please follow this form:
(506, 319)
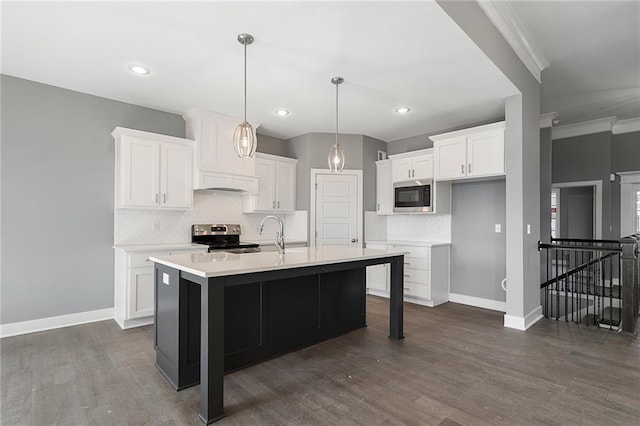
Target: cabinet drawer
(419, 276)
(417, 290)
(416, 263)
(141, 259)
(423, 252)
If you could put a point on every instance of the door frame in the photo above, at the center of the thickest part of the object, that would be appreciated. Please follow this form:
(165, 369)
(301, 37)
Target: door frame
(627, 210)
(597, 197)
(312, 198)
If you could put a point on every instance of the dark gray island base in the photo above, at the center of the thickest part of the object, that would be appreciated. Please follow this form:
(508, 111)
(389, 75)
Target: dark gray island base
(206, 327)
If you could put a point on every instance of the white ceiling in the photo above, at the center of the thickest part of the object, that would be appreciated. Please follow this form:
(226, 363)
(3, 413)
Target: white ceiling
(593, 50)
(389, 53)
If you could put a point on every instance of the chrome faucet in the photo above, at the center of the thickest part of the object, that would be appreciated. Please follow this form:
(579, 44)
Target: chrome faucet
(279, 235)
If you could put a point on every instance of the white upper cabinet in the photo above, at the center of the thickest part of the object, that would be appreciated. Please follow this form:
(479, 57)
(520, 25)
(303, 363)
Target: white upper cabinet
(214, 156)
(470, 153)
(153, 171)
(384, 187)
(276, 185)
(412, 165)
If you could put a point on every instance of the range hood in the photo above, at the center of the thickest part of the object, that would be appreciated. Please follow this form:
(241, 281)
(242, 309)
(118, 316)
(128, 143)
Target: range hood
(226, 182)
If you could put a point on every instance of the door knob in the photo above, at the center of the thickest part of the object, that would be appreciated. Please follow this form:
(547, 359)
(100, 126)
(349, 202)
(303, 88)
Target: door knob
(354, 240)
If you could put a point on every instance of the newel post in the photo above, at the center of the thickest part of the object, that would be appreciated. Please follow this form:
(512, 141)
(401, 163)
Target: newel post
(630, 282)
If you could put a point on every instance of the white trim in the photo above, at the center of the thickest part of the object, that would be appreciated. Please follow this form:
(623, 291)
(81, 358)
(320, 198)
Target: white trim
(509, 25)
(464, 132)
(626, 126)
(523, 323)
(479, 302)
(42, 324)
(629, 177)
(584, 128)
(312, 199)
(598, 200)
(132, 323)
(546, 120)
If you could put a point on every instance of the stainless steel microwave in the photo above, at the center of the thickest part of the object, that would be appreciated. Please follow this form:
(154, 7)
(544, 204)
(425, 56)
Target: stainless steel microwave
(413, 196)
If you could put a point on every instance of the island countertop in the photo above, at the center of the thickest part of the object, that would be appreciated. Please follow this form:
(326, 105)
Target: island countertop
(218, 264)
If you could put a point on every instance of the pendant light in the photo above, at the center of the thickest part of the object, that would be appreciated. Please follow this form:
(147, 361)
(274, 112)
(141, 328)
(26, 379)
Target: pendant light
(336, 157)
(244, 139)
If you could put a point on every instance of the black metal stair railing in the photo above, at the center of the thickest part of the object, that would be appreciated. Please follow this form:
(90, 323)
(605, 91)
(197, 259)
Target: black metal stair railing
(594, 282)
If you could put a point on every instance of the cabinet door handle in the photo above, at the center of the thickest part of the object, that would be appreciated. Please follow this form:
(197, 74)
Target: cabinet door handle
(406, 288)
(462, 168)
(164, 198)
(407, 275)
(278, 204)
(409, 173)
(378, 206)
(273, 204)
(157, 197)
(469, 168)
(413, 172)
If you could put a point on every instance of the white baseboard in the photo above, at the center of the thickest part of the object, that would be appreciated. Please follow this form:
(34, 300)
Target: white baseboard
(523, 323)
(42, 324)
(132, 323)
(478, 302)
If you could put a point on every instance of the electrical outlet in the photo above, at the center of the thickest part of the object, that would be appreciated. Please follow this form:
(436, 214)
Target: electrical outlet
(528, 229)
(498, 228)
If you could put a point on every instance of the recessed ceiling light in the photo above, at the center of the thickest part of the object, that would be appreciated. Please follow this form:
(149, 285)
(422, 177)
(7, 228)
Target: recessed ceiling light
(402, 110)
(139, 69)
(281, 112)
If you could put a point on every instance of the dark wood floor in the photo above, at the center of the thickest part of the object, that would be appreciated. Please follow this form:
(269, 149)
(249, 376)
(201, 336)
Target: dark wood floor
(457, 365)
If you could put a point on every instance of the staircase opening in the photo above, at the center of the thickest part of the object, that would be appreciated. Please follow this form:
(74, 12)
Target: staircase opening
(592, 282)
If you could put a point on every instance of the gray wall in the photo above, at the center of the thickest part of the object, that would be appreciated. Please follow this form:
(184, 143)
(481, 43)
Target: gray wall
(478, 256)
(271, 145)
(625, 152)
(57, 196)
(586, 158)
(413, 143)
(370, 148)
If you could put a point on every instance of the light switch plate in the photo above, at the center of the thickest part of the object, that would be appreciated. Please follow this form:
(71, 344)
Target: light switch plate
(165, 278)
(528, 229)
(498, 228)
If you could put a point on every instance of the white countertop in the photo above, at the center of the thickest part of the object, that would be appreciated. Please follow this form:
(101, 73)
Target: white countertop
(409, 243)
(221, 264)
(154, 247)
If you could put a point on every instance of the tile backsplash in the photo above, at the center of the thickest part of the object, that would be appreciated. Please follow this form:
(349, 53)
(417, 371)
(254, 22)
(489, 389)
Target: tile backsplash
(419, 227)
(145, 226)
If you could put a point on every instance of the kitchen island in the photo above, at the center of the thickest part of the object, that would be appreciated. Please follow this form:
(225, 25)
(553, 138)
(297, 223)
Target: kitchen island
(219, 312)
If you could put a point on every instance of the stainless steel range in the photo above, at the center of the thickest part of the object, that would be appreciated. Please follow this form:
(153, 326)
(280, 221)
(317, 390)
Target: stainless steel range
(222, 237)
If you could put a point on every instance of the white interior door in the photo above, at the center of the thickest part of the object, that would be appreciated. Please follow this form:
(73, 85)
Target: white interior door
(336, 210)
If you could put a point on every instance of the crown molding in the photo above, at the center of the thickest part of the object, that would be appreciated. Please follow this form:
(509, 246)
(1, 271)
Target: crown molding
(626, 126)
(546, 120)
(584, 128)
(509, 25)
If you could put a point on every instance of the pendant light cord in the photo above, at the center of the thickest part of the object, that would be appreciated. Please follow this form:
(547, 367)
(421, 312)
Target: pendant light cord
(245, 82)
(337, 114)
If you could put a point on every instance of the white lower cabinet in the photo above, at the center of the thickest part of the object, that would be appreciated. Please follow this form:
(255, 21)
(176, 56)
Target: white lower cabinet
(134, 284)
(426, 274)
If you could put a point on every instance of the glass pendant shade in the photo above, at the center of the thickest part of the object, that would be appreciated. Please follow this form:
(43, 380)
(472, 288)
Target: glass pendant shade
(336, 158)
(244, 140)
